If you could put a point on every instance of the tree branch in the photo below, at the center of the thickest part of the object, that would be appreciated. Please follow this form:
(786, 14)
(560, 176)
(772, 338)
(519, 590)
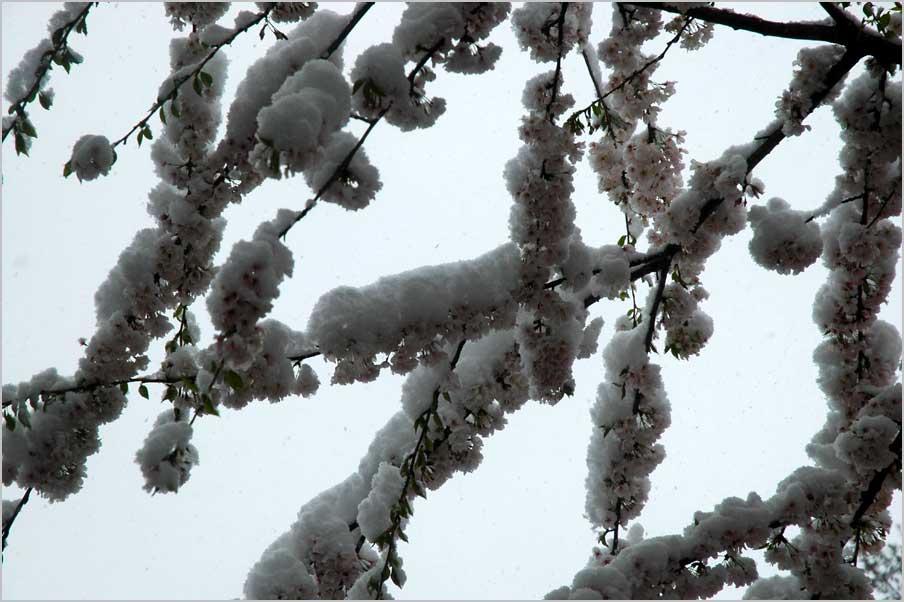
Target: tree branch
(142, 124)
(351, 154)
(46, 64)
(560, 24)
(346, 30)
(864, 42)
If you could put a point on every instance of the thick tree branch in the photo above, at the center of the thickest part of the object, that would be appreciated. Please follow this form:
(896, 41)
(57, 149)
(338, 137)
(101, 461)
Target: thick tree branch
(346, 30)
(864, 42)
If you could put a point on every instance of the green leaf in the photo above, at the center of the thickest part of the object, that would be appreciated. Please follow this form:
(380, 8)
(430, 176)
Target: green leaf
(45, 100)
(189, 384)
(208, 407)
(143, 391)
(174, 109)
(205, 78)
(140, 137)
(385, 574)
(447, 397)
(57, 36)
(357, 85)
(67, 169)
(233, 380)
(622, 239)
(124, 387)
(147, 132)
(403, 537)
(171, 393)
(10, 421)
(27, 128)
(21, 144)
(198, 86)
(162, 114)
(395, 578)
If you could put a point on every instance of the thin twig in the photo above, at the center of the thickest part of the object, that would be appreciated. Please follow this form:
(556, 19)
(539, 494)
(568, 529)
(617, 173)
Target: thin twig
(346, 30)
(194, 72)
(46, 64)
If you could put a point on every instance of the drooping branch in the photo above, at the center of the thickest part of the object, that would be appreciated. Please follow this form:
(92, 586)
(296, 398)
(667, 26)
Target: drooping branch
(194, 73)
(343, 165)
(863, 42)
(402, 508)
(58, 53)
(601, 97)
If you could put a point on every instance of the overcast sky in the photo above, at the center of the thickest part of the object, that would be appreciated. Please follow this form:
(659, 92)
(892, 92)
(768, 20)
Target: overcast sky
(742, 411)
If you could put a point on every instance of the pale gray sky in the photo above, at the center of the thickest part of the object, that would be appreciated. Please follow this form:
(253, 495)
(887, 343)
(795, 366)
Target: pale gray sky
(741, 412)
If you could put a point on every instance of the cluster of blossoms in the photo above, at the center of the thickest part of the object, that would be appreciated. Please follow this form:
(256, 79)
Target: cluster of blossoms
(540, 180)
(638, 167)
(510, 333)
(812, 65)
(687, 327)
(783, 239)
(630, 414)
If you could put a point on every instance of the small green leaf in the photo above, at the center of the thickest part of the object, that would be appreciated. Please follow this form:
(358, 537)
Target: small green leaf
(174, 109)
(67, 169)
(447, 397)
(45, 100)
(21, 144)
(189, 384)
(124, 387)
(395, 578)
(147, 132)
(622, 239)
(27, 128)
(198, 86)
(208, 407)
(162, 115)
(140, 137)
(385, 574)
(171, 393)
(205, 78)
(233, 380)
(10, 421)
